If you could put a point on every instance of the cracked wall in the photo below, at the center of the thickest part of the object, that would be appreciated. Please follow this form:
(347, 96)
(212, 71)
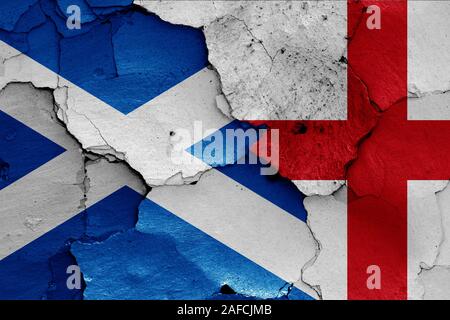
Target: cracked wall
(34, 260)
(267, 59)
(272, 56)
(234, 60)
(430, 210)
(428, 83)
(77, 110)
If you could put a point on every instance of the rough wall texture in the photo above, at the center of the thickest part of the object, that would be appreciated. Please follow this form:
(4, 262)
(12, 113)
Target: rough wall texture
(272, 56)
(102, 131)
(249, 52)
(269, 58)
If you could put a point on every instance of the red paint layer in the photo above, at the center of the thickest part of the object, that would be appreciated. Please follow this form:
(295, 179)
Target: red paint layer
(322, 150)
(377, 224)
(397, 150)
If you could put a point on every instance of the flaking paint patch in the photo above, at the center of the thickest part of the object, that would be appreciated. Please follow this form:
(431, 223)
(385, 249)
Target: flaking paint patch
(45, 187)
(216, 18)
(160, 264)
(424, 231)
(277, 60)
(435, 282)
(433, 279)
(428, 33)
(143, 137)
(318, 187)
(327, 218)
(66, 186)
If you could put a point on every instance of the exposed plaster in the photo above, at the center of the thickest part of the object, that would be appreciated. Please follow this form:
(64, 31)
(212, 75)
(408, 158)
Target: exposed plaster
(327, 218)
(272, 56)
(260, 49)
(431, 279)
(428, 35)
(256, 58)
(424, 231)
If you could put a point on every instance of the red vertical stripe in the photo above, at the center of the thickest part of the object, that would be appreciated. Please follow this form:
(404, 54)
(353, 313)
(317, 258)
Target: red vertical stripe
(377, 210)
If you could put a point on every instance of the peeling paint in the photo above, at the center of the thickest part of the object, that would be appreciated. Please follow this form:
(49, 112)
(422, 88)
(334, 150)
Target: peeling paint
(267, 59)
(272, 56)
(327, 218)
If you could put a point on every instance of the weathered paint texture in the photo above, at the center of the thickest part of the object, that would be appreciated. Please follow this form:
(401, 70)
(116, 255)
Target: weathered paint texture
(96, 112)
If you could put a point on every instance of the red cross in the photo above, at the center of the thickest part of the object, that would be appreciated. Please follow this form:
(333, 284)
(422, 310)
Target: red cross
(376, 149)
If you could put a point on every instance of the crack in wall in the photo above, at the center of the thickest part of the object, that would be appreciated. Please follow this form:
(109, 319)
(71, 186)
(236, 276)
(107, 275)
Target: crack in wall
(178, 175)
(441, 263)
(109, 146)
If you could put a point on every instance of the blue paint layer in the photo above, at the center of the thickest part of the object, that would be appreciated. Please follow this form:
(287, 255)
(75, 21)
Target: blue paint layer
(167, 258)
(22, 150)
(118, 212)
(124, 57)
(110, 3)
(278, 190)
(38, 270)
(105, 7)
(11, 11)
(30, 19)
(27, 273)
